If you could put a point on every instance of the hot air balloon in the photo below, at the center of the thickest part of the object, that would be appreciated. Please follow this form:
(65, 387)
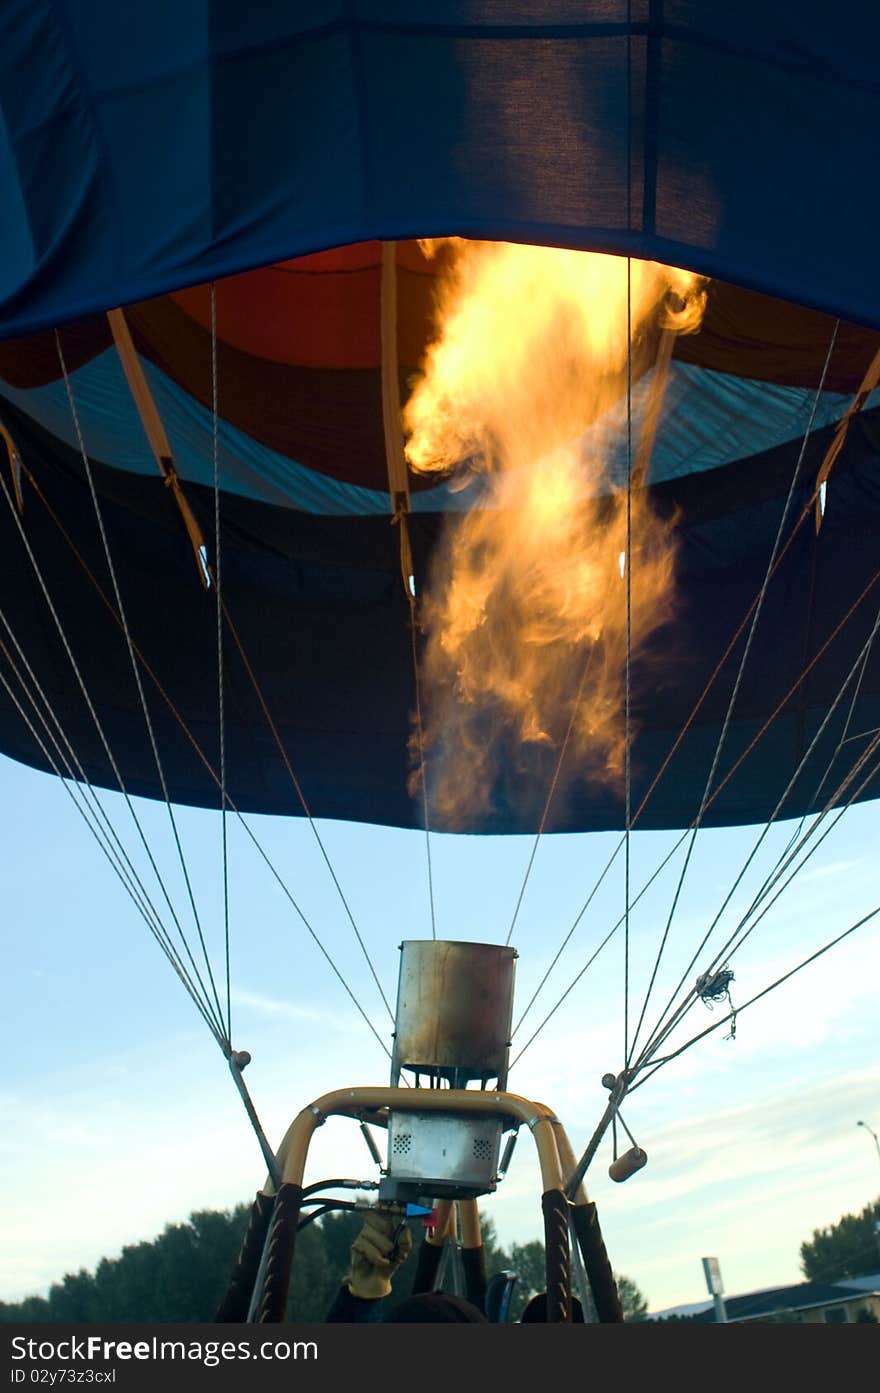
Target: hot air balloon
(215, 305)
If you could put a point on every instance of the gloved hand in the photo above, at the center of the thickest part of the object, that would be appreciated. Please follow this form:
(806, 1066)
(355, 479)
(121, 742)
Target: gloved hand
(377, 1252)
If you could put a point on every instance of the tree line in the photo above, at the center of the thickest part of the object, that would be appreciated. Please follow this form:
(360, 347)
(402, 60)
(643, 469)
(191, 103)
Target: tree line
(849, 1248)
(181, 1275)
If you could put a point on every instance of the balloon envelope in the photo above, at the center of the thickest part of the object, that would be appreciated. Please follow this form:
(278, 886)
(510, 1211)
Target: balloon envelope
(145, 155)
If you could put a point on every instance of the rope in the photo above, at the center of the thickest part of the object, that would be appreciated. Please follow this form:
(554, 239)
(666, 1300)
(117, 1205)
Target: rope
(301, 796)
(770, 885)
(218, 592)
(757, 997)
(739, 677)
(399, 499)
(795, 685)
(805, 512)
(803, 515)
(222, 1037)
(423, 778)
(550, 795)
(772, 819)
(786, 859)
(837, 749)
(628, 558)
(717, 791)
(628, 682)
(148, 914)
(670, 754)
(607, 939)
(715, 987)
(278, 878)
(595, 890)
(618, 1093)
(194, 743)
(68, 757)
(662, 1031)
(140, 690)
(101, 734)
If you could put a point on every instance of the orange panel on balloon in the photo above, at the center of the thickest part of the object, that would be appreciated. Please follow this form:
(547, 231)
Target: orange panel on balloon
(322, 310)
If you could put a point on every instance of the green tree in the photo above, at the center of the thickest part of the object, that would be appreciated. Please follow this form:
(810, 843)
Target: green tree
(527, 1261)
(635, 1307)
(181, 1275)
(314, 1277)
(849, 1248)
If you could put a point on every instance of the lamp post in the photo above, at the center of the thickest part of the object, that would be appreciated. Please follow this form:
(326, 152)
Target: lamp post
(873, 1134)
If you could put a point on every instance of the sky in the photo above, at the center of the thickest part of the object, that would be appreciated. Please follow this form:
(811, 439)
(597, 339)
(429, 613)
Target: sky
(120, 1115)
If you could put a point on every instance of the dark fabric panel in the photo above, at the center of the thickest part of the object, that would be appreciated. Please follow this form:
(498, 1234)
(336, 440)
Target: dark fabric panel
(320, 608)
(321, 633)
(33, 361)
(187, 143)
(768, 340)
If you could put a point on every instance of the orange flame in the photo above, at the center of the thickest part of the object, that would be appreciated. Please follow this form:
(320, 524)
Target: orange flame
(526, 617)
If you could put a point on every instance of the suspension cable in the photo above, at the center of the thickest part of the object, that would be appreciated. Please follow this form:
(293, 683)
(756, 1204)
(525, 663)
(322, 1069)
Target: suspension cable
(658, 1064)
(218, 594)
(551, 793)
(844, 736)
(662, 1031)
(595, 890)
(733, 943)
(70, 786)
(820, 652)
(832, 805)
(139, 685)
(805, 512)
(101, 734)
(197, 748)
(400, 503)
(805, 758)
(302, 798)
(236, 1061)
(627, 735)
(420, 733)
(756, 614)
(67, 755)
(76, 774)
(625, 1084)
(611, 932)
(846, 617)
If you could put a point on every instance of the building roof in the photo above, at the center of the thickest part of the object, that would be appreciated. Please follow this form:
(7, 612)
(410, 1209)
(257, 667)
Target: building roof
(802, 1296)
(870, 1284)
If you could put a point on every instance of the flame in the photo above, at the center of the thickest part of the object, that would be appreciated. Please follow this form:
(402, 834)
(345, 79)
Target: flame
(524, 388)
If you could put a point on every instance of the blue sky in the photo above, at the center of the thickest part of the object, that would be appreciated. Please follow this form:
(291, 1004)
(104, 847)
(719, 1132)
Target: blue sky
(121, 1116)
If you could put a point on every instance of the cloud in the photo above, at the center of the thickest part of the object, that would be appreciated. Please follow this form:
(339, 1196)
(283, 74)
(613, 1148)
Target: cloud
(269, 1006)
(833, 870)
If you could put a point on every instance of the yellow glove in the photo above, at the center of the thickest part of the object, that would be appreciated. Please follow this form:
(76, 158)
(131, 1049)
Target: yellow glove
(379, 1249)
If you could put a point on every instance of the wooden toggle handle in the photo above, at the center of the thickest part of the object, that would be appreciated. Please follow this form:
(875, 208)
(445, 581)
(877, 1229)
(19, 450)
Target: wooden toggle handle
(627, 1164)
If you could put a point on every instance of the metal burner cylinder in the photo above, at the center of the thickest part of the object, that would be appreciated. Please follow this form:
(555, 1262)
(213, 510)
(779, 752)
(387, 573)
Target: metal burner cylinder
(454, 1011)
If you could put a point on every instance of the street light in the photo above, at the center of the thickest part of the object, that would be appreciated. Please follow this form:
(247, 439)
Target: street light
(873, 1134)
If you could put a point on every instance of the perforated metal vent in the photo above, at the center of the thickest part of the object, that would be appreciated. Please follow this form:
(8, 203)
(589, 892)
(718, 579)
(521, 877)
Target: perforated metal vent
(482, 1149)
(401, 1144)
